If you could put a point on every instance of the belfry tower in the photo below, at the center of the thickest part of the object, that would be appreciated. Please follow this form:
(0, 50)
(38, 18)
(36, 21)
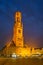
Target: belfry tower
(18, 30)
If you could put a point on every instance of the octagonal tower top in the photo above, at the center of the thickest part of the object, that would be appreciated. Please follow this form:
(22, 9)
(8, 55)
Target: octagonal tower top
(18, 16)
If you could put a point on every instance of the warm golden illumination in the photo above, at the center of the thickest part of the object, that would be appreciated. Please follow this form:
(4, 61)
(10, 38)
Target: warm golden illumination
(18, 30)
(17, 45)
(23, 51)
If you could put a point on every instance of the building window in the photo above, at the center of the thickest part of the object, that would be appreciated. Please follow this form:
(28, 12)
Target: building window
(19, 31)
(18, 19)
(19, 43)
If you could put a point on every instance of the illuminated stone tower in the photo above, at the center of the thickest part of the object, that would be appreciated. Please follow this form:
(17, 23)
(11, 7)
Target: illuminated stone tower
(18, 30)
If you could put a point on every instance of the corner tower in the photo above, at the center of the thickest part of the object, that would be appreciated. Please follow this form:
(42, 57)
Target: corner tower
(18, 30)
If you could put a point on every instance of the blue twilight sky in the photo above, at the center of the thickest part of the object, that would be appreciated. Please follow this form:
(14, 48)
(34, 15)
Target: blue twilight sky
(32, 18)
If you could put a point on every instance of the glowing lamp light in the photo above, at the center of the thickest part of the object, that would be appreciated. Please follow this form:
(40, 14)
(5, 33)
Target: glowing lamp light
(38, 53)
(14, 55)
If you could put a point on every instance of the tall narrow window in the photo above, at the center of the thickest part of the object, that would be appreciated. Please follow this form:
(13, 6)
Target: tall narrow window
(18, 19)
